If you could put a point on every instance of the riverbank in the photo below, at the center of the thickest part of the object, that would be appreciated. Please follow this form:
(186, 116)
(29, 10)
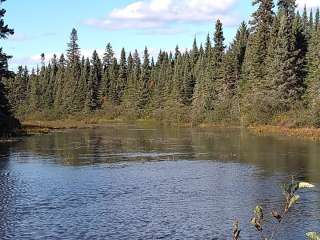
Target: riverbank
(44, 126)
(31, 126)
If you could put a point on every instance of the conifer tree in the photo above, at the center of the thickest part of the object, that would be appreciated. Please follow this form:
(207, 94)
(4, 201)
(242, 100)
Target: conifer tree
(287, 84)
(144, 93)
(188, 83)
(7, 122)
(17, 90)
(233, 62)
(73, 74)
(311, 23)
(300, 48)
(317, 19)
(176, 54)
(73, 51)
(208, 47)
(83, 91)
(123, 75)
(195, 52)
(92, 99)
(215, 70)
(35, 91)
(313, 78)
(59, 84)
(254, 80)
(108, 56)
(130, 95)
(108, 69)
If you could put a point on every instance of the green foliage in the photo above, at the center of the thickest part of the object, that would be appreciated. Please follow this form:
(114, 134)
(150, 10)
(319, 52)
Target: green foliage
(259, 220)
(7, 122)
(269, 74)
(313, 236)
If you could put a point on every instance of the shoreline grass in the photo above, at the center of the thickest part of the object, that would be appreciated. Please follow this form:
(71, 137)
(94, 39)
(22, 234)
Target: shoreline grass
(302, 133)
(31, 126)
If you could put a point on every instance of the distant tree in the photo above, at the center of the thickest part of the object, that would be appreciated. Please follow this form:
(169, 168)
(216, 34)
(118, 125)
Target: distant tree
(73, 73)
(108, 72)
(144, 93)
(195, 52)
(92, 99)
(73, 51)
(208, 47)
(59, 85)
(118, 84)
(108, 57)
(317, 19)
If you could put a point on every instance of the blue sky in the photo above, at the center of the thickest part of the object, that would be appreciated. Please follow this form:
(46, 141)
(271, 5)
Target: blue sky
(43, 26)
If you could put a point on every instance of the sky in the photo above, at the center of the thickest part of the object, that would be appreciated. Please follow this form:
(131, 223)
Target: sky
(44, 26)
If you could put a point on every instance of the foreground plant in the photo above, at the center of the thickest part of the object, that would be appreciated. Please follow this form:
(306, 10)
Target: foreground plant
(290, 199)
(313, 236)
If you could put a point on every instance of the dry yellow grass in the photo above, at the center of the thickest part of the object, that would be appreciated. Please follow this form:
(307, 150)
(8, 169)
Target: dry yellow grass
(306, 133)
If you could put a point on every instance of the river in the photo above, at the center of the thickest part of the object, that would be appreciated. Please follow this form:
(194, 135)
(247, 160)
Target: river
(147, 182)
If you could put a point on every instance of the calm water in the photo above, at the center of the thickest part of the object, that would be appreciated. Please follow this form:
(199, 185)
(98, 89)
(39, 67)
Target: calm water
(129, 182)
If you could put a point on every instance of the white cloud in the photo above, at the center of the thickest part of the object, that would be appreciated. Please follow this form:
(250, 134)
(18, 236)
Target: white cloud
(22, 37)
(308, 3)
(151, 14)
(19, 37)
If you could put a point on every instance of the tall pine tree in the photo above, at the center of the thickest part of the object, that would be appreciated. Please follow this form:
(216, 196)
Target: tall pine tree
(7, 122)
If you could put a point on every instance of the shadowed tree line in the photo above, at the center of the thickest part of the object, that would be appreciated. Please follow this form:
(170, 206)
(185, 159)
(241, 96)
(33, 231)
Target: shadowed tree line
(268, 74)
(7, 122)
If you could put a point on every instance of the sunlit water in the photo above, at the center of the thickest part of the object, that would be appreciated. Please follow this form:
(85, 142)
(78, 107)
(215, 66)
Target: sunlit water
(129, 182)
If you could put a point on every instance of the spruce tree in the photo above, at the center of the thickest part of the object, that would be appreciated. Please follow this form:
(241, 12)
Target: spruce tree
(215, 70)
(313, 78)
(59, 85)
(72, 75)
(188, 83)
(144, 93)
(73, 51)
(7, 122)
(108, 56)
(130, 97)
(233, 62)
(287, 83)
(194, 52)
(208, 47)
(254, 79)
(92, 100)
(108, 60)
(123, 75)
(317, 19)
(17, 90)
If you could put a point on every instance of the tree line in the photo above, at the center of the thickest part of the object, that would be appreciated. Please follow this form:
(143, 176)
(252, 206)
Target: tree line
(269, 73)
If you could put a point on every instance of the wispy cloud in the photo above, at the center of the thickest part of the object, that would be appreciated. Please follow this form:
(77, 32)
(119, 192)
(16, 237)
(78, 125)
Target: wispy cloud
(19, 37)
(308, 3)
(22, 37)
(162, 14)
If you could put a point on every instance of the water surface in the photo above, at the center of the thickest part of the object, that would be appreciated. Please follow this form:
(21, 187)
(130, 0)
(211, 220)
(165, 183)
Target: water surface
(131, 182)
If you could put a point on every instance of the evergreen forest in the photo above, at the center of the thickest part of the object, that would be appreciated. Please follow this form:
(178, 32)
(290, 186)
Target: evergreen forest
(268, 74)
